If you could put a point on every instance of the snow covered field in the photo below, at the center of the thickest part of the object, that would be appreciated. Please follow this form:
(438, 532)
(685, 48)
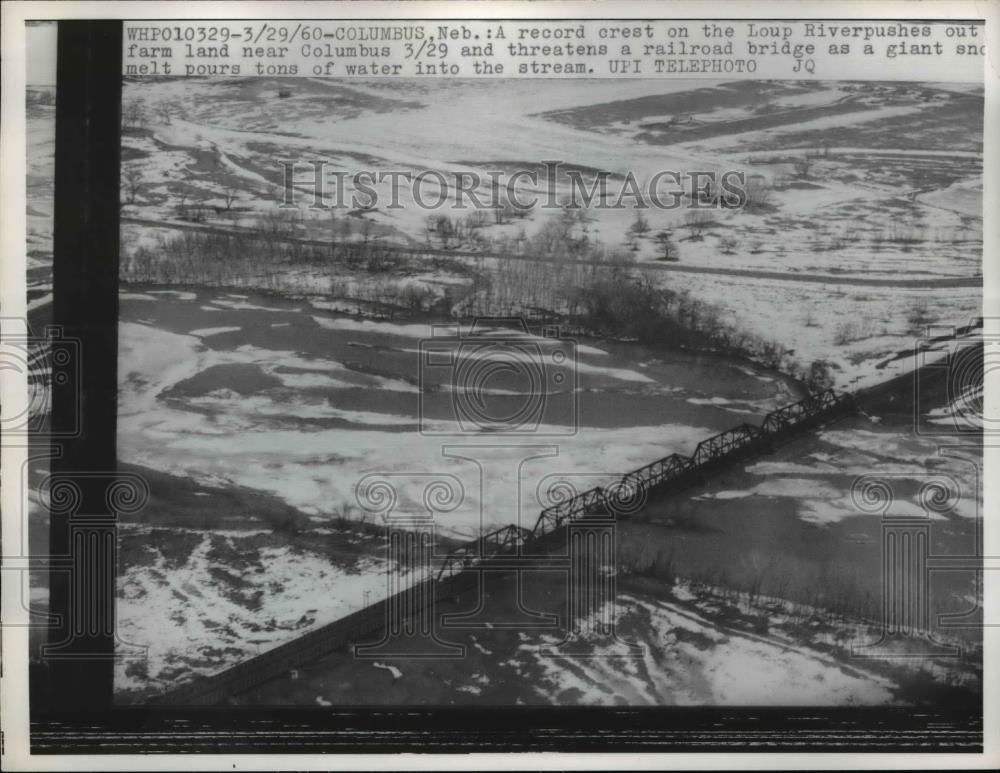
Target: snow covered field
(197, 614)
(680, 645)
(909, 208)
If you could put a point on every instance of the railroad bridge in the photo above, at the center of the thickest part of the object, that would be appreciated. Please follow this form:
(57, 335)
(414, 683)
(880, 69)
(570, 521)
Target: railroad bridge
(575, 535)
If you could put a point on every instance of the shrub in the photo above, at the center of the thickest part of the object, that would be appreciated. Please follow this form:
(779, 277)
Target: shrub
(820, 375)
(758, 192)
(920, 316)
(640, 225)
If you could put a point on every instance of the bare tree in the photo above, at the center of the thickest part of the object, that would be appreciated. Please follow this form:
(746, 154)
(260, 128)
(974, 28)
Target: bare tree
(131, 181)
(758, 192)
(229, 194)
(640, 226)
(665, 240)
(442, 227)
(134, 114)
(182, 198)
(278, 224)
(166, 109)
(820, 375)
(416, 297)
(333, 226)
(696, 222)
(729, 245)
(476, 219)
(803, 164)
(500, 204)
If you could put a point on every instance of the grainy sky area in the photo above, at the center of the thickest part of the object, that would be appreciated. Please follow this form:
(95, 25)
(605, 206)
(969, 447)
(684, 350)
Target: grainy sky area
(41, 53)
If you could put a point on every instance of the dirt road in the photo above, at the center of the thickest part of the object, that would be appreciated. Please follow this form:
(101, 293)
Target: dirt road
(776, 276)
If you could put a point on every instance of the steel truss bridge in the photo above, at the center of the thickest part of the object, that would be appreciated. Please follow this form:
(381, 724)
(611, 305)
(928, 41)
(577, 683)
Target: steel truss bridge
(667, 475)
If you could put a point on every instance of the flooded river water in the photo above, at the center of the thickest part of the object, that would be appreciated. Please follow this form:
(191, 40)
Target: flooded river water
(287, 398)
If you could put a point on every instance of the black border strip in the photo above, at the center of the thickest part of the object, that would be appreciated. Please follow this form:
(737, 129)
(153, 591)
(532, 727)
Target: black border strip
(73, 713)
(466, 729)
(84, 408)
